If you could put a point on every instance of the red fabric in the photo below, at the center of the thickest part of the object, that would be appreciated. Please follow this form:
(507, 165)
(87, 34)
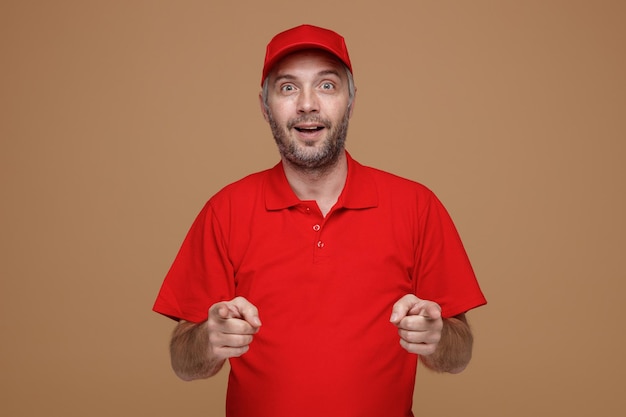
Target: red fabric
(324, 288)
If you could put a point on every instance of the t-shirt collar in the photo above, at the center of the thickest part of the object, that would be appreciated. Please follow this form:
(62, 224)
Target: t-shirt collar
(359, 192)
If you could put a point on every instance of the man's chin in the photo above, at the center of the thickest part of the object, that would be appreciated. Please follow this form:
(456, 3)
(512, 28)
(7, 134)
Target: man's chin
(311, 159)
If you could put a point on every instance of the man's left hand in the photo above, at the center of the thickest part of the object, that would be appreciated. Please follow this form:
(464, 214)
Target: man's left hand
(419, 324)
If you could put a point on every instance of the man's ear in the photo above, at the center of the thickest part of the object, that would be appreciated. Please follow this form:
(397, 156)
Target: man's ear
(351, 105)
(263, 108)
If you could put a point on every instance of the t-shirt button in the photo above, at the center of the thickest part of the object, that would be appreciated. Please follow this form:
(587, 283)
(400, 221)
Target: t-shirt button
(320, 244)
(316, 227)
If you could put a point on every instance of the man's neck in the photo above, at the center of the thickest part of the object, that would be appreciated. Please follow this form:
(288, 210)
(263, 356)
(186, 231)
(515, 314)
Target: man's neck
(322, 185)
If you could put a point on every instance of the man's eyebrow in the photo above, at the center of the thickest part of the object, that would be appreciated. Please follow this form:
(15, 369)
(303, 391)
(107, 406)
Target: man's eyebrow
(329, 72)
(283, 77)
(290, 77)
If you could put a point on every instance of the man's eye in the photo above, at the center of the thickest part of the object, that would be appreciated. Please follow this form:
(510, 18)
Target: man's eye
(328, 86)
(287, 87)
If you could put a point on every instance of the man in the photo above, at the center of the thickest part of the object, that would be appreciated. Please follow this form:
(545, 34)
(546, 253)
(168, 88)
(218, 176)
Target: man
(320, 280)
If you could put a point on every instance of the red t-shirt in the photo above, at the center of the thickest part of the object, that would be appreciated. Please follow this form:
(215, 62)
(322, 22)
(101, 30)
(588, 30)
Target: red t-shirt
(324, 288)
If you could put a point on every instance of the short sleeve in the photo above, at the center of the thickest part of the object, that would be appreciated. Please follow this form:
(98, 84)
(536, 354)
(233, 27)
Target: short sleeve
(443, 271)
(201, 273)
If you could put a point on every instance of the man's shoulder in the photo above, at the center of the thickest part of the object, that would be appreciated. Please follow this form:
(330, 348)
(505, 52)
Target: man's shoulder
(387, 179)
(243, 189)
(249, 182)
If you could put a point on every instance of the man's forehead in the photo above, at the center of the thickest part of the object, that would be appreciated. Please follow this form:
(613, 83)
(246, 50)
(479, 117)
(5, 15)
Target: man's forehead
(322, 61)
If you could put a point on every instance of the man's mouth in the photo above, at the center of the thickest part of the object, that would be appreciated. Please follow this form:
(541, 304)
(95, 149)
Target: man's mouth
(308, 125)
(308, 129)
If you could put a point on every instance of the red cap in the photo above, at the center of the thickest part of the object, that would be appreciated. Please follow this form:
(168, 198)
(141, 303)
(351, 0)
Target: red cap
(304, 37)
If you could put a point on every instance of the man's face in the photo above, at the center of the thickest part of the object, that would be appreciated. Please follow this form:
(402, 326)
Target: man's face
(308, 108)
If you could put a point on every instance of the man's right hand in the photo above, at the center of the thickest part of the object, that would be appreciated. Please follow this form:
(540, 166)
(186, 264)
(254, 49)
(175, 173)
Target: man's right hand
(231, 326)
(199, 350)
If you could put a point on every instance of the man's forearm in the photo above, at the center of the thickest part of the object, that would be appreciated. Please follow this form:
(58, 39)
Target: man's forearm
(454, 350)
(189, 351)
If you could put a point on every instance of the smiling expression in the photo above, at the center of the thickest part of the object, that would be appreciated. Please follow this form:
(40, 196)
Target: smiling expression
(308, 108)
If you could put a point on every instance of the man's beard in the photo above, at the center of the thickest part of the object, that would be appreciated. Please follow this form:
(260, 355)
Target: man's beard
(311, 158)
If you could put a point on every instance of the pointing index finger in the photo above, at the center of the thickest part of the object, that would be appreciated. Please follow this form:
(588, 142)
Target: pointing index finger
(426, 309)
(245, 310)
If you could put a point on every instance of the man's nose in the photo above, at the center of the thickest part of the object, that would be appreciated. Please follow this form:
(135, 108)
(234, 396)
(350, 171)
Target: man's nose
(308, 101)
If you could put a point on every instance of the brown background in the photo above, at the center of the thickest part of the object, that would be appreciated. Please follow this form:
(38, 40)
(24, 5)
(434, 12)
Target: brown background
(120, 118)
